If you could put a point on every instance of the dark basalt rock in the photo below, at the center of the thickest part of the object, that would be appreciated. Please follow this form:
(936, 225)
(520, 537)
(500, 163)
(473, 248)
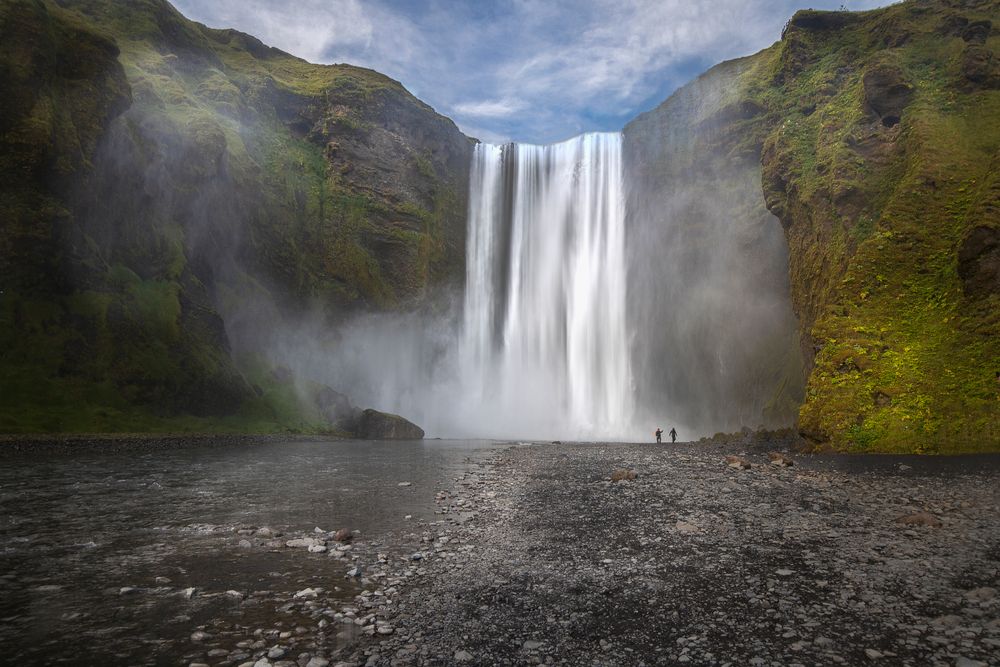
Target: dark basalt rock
(977, 32)
(887, 92)
(980, 67)
(375, 425)
(979, 262)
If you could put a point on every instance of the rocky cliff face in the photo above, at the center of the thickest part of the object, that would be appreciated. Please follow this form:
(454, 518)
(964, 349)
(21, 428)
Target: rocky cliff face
(881, 162)
(180, 190)
(877, 138)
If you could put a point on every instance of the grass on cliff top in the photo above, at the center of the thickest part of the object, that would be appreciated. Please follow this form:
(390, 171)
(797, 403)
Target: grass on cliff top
(144, 28)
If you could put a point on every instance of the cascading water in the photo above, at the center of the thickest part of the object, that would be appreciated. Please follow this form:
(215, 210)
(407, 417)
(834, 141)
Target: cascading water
(545, 339)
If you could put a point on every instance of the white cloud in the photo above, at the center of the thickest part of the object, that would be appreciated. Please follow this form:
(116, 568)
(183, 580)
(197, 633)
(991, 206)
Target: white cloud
(306, 28)
(489, 108)
(525, 69)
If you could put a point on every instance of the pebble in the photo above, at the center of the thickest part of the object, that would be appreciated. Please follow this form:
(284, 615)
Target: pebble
(962, 661)
(311, 593)
(301, 542)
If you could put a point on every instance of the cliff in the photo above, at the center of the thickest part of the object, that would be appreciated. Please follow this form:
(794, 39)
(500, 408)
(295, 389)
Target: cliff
(877, 136)
(174, 191)
(881, 163)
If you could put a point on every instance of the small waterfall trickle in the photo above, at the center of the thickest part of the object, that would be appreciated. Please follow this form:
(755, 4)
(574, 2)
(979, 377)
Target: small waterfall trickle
(545, 348)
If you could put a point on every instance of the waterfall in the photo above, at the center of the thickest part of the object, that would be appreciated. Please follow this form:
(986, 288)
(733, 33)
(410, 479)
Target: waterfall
(545, 345)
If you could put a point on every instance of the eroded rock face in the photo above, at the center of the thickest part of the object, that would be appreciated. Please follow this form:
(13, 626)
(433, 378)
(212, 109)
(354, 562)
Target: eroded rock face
(980, 66)
(977, 31)
(887, 92)
(375, 425)
(868, 192)
(979, 262)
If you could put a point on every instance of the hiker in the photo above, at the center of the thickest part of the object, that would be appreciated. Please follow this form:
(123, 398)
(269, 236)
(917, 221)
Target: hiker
(673, 434)
(659, 434)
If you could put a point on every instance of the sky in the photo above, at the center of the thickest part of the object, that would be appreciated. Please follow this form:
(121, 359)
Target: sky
(520, 70)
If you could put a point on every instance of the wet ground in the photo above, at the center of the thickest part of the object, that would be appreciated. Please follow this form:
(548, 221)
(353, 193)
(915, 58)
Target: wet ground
(223, 552)
(118, 552)
(696, 562)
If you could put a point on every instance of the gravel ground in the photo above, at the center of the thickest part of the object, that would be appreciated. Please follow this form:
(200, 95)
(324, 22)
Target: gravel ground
(540, 559)
(536, 557)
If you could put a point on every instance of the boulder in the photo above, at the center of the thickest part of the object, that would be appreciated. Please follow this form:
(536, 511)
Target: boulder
(622, 475)
(779, 459)
(920, 519)
(737, 462)
(375, 425)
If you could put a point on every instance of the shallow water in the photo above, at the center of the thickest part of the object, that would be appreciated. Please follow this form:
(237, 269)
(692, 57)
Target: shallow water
(75, 529)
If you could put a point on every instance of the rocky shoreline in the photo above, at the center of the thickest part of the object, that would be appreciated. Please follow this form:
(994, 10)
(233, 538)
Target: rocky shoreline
(693, 562)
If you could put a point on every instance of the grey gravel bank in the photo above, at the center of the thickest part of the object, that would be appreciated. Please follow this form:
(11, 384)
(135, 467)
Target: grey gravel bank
(695, 562)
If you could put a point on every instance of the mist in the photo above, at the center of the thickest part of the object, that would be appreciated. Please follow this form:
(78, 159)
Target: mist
(610, 284)
(709, 299)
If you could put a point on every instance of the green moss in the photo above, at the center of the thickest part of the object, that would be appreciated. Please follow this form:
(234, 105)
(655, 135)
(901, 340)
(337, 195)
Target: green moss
(875, 216)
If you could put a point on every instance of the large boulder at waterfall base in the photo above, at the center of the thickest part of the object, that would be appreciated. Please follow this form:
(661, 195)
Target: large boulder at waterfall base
(375, 425)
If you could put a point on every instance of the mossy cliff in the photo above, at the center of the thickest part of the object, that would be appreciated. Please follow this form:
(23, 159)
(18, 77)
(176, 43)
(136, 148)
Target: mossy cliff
(878, 136)
(157, 174)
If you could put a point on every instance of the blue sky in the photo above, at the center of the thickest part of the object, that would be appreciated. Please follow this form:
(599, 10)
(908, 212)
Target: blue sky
(520, 70)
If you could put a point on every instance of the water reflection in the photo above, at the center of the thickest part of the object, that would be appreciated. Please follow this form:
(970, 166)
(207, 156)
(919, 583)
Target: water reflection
(97, 549)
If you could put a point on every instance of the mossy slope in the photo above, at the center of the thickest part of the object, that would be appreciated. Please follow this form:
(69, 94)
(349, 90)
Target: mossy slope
(880, 156)
(878, 140)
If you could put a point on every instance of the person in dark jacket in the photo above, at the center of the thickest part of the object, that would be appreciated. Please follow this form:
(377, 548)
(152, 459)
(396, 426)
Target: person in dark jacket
(673, 434)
